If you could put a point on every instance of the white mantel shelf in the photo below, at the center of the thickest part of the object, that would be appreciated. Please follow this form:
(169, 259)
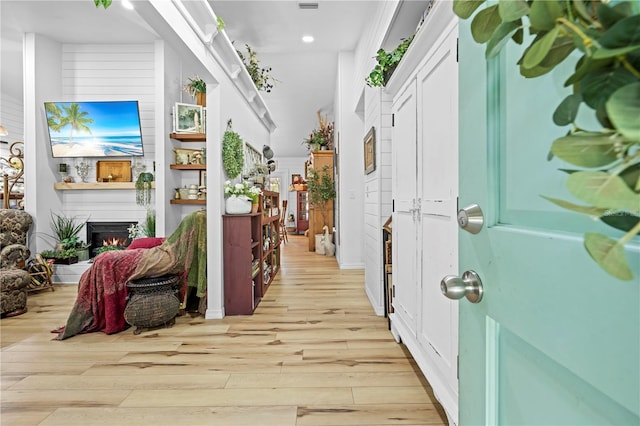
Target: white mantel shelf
(63, 186)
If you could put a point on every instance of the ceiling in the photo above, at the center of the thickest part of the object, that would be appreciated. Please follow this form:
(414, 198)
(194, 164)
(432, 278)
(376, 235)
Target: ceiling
(306, 73)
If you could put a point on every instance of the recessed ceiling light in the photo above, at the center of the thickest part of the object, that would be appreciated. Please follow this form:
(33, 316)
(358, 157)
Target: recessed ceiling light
(127, 4)
(308, 39)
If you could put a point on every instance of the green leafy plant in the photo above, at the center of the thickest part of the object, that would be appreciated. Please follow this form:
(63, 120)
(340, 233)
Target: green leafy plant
(260, 76)
(66, 229)
(322, 136)
(103, 3)
(232, 152)
(108, 248)
(321, 189)
(143, 189)
(387, 63)
(195, 85)
(606, 79)
(59, 254)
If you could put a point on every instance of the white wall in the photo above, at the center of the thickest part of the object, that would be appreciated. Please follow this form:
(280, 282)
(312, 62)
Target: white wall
(350, 244)
(12, 118)
(42, 81)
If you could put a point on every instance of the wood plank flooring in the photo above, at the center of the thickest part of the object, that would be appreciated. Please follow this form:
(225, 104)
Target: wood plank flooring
(314, 353)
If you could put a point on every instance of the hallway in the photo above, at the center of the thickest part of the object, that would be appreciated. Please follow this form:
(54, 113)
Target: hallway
(313, 353)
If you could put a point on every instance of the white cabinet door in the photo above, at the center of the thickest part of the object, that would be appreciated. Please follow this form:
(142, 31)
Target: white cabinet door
(404, 192)
(437, 101)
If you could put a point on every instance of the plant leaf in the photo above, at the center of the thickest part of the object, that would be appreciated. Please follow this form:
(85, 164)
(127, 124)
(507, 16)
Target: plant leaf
(585, 149)
(485, 23)
(608, 16)
(534, 72)
(540, 49)
(499, 38)
(597, 86)
(567, 111)
(465, 8)
(518, 37)
(610, 53)
(582, 10)
(562, 47)
(623, 109)
(623, 33)
(608, 254)
(512, 10)
(621, 220)
(603, 190)
(544, 13)
(594, 212)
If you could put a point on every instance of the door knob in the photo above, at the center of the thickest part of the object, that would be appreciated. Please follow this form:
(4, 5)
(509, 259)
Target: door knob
(471, 219)
(469, 285)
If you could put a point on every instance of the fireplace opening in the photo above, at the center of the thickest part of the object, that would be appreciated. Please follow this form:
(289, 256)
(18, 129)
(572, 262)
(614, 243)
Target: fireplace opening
(101, 234)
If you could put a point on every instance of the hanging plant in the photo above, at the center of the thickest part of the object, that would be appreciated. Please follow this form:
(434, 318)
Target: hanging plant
(606, 79)
(143, 189)
(232, 152)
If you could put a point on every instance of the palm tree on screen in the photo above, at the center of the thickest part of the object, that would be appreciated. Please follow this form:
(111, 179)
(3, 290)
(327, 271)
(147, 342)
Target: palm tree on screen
(77, 119)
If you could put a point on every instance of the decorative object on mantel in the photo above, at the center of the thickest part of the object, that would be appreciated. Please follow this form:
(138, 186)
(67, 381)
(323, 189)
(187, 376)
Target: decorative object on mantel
(606, 80)
(63, 170)
(83, 170)
(232, 152)
(113, 171)
(197, 88)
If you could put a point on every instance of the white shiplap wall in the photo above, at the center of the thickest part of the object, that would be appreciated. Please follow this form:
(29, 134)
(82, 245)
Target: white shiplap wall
(97, 72)
(12, 118)
(378, 202)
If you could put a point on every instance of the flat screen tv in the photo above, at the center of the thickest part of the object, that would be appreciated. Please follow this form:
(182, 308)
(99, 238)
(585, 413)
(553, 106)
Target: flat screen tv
(94, 129)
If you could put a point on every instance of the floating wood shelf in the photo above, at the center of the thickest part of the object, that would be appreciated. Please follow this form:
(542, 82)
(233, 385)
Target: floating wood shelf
(188, 166)
(63, 186)
(189, 137)
(180, 201)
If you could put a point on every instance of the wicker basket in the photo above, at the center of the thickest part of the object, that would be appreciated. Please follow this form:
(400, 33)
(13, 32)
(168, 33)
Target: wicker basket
(152, 302)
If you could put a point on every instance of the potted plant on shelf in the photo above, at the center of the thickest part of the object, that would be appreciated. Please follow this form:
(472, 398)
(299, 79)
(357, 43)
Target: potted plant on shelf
(65, 256)
(322, 137)
(240, 197)
(321, 190)
(197, 88)
(260, 76)
(387, 63)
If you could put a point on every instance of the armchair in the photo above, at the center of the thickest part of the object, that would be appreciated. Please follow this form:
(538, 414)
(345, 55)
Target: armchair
(14, 225)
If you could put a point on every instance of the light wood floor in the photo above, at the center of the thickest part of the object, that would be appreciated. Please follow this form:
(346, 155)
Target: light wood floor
(313, 353)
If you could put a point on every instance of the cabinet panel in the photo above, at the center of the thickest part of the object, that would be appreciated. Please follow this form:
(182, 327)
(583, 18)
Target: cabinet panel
(318, 160)
(302, 202)
(242, 254)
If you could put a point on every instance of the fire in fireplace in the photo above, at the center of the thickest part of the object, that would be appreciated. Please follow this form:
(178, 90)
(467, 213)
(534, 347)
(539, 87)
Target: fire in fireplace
(100, 234)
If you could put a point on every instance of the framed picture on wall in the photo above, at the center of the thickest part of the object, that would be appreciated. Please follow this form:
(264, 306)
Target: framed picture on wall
(370, 151)
(188, 118)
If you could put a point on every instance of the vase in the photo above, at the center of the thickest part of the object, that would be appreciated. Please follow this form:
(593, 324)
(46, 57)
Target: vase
(201, 99)
(235, 205)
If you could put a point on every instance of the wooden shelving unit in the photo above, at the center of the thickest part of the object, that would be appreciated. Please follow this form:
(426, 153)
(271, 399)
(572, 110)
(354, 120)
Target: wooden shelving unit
(188, 166)
(180, 201)
(63, 186)
(251, 244)
(189, 137)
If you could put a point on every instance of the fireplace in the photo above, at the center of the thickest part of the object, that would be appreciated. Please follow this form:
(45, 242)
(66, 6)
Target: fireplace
(101, 234)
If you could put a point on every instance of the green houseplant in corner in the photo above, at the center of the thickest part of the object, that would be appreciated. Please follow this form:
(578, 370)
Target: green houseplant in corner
(197, 88)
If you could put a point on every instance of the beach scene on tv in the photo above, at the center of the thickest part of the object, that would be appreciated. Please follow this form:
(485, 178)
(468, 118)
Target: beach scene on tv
(94, 129)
